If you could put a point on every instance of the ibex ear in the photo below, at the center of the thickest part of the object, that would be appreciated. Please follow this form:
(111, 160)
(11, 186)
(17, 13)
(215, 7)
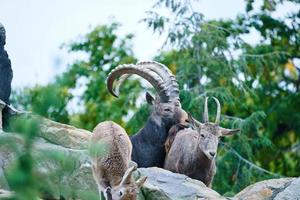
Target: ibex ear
(226, 132)
(141, 181)
(150, 99)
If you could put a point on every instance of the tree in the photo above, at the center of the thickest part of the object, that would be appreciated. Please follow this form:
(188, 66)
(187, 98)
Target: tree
(103, 51)
(258, 84)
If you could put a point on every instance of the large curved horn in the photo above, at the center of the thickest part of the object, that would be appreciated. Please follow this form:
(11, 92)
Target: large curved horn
(218, 111)
(155, 80)
(120, 82)
(170, 87)
(165, 73)
(205, 113)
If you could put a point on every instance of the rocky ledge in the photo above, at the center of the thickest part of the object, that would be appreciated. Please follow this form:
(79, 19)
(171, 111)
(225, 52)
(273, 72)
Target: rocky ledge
(161, 184)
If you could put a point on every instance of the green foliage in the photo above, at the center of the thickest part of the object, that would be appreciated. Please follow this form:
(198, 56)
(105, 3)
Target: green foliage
(49, 101)
(258, 84)
(21, 177)
(104, 51)
(35, 174)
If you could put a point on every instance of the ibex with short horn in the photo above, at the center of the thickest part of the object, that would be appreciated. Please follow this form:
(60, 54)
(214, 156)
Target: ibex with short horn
(148, 143)
(110, 165)
(192, 151)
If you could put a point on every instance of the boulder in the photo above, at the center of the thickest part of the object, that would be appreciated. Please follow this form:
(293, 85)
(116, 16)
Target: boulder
(273, 189)
(163, 184)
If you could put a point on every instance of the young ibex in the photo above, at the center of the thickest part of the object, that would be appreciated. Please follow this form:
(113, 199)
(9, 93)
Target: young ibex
(5, 74)
(148, 143)
(193, 152)
(111, 166)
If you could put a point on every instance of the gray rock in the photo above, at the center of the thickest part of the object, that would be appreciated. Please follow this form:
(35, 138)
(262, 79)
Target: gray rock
(264, 190)
(163, 184)
(64, 135)
(72, 143)
(292, 191)
(2, 35)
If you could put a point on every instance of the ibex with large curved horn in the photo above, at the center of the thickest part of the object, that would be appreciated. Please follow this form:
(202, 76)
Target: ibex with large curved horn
(148, 143)
(192, 151)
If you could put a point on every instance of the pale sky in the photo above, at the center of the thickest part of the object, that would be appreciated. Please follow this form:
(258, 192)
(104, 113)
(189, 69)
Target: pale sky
(37, 28)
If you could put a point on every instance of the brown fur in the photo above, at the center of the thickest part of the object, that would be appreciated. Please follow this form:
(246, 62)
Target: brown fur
(172, 134)
(193, 151)
(111, 165)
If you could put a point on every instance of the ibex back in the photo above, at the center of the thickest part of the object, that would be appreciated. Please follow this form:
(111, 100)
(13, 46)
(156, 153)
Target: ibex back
(110, 154)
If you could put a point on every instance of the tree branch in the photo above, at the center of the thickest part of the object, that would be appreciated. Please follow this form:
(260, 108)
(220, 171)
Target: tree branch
(252, 165)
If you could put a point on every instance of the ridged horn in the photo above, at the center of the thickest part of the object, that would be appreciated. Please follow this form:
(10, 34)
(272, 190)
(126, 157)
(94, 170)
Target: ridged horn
(120, 82)
(127, 176)
(218, 111)
(169, 88)
(155, 80)
(205, 113)
(165, 73)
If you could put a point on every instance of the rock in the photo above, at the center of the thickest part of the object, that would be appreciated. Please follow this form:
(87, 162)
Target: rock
(2, 35)
(64, 135)
(73, 172)
(271, 189)
(56, 133)
(5, 194)
(6, 73)
(163, 184)
(291, 191)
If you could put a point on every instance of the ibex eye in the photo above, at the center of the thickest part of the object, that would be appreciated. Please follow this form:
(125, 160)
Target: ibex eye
(202, 135)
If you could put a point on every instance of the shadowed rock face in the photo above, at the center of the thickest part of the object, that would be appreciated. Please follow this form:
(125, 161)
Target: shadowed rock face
(6, 73)
(2, 35)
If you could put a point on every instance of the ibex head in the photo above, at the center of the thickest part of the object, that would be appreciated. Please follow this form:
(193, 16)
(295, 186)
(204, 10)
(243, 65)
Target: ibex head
(128, 187)
(166, 104)
(209, 133)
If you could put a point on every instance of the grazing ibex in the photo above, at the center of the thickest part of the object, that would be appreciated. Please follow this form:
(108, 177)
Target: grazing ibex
(111, 165)
(148, 143)
(193, 152)
(5, 74)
